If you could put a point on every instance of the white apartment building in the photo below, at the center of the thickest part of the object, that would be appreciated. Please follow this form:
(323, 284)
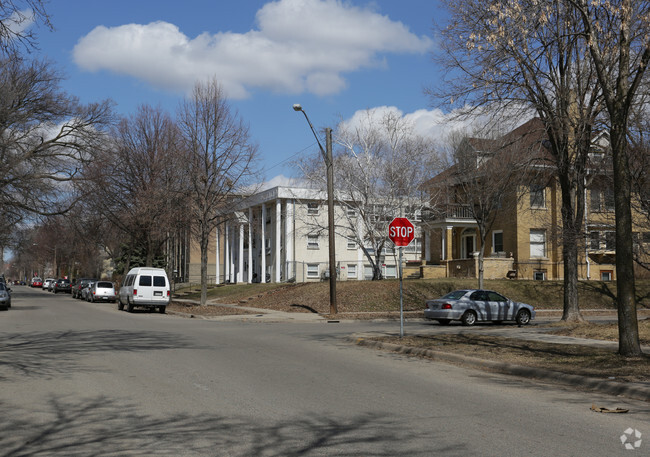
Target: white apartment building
(280, 235)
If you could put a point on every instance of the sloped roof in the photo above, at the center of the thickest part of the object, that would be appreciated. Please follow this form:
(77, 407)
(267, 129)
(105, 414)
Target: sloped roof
(527, 138)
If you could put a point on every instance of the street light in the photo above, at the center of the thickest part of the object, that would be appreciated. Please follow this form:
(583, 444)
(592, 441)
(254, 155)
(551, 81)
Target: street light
(327, 157)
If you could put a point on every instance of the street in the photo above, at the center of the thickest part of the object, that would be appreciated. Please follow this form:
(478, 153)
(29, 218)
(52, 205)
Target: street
(80, 379)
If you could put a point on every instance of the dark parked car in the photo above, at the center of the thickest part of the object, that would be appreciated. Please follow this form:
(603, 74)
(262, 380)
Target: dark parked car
(79, 284)
(85, 290)
(5, 296)
(62, 285)
(470, 306)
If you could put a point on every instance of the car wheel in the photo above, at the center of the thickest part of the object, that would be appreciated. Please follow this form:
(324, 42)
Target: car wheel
(161, 309)
(129, 307)
(469, 318)
(444, 321)
(120, 305)
(523, 317)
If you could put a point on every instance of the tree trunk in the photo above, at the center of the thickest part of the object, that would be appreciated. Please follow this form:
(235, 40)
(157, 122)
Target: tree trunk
(571, 228)
(481, 257)
(204, 269)
(628, 326)
(570, 257)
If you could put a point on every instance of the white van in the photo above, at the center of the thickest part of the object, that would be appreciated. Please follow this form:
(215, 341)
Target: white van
(145, 287)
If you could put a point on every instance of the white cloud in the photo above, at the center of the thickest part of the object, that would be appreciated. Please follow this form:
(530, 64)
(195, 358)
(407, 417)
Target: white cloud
(298, 46)
(436, 124)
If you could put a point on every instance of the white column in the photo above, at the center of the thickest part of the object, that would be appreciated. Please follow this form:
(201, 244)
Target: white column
(288, 240)
(250, 245)
(263, 247)
(278, 239)
(217, 260)
(226, 255)
(240, 256)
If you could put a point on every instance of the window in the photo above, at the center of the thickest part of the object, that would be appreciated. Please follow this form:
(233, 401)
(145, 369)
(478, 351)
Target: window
(594, 241)
(312, 242)
(537, 243)
(606, 275)
(159, 281)
(351, 212)
(608, 199)
(537, 196)
(312, 209)
(415, 246)
(312, 270)
(497, 241)
(352, 271)
(390, 271)
(352, 244)
(145, 281)
(594, 200)
(646, 238)
(610, 241)
(539, 275)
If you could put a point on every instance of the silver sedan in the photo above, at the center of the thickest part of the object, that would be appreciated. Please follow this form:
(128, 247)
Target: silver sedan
(473, 305)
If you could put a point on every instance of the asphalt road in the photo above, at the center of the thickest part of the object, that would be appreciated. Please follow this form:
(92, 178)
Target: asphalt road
(82, 379)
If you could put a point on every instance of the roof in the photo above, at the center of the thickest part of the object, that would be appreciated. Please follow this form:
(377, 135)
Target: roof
(528, 138)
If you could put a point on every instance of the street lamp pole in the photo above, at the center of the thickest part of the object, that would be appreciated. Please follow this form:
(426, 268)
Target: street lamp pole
(327, 157)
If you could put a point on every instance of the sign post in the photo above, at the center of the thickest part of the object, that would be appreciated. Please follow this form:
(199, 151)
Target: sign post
(401, 232)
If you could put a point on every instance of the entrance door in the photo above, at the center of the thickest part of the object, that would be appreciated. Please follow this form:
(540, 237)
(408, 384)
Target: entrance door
(468, 245)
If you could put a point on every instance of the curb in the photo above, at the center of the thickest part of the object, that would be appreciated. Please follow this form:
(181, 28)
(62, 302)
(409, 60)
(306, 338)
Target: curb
(629, 390)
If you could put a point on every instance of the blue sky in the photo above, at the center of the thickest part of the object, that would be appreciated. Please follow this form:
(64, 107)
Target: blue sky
(334, 57)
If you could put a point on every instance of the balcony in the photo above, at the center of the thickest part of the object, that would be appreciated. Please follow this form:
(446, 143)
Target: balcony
(448, 212)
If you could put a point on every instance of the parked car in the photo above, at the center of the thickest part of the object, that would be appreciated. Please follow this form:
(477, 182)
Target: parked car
(101, 291)
(78, 284)
(36, 282)
(86, 289)
(5, 296)
(62, 285)
(145, 287)
(475, 305)
(47, 283)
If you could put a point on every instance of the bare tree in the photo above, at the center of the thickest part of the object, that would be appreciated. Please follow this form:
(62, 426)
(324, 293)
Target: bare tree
(16, 20)
(616, 33)
(45, 137)
(138, 182)
(525, 56)
(220, 162)
(379, 168)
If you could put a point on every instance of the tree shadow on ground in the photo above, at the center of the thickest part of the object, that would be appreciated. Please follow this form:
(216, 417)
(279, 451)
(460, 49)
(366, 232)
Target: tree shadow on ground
(100, 426)
(45, 354)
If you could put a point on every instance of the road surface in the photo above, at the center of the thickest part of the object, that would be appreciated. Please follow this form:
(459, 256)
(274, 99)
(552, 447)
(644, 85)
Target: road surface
(81, 379)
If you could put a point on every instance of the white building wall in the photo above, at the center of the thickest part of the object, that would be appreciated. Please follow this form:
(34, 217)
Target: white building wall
(287, 254)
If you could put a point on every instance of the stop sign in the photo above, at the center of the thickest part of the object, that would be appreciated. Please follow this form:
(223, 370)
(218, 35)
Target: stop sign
(401, 231)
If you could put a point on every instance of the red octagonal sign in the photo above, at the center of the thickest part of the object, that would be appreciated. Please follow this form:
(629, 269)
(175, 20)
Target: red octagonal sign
(401, 231)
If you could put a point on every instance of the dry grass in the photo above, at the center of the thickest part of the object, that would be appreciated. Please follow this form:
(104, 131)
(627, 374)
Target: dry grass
(564, 358)
(383, 296)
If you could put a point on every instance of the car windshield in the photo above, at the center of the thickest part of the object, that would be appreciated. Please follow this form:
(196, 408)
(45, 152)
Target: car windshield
(455, 295)
(2, 286)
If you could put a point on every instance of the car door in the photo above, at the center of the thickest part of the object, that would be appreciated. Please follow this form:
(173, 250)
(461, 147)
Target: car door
(500, 307)
(480, 305)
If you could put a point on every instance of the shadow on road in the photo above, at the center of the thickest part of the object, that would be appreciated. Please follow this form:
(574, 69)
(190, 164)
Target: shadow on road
(99, 426)
(45, 354)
